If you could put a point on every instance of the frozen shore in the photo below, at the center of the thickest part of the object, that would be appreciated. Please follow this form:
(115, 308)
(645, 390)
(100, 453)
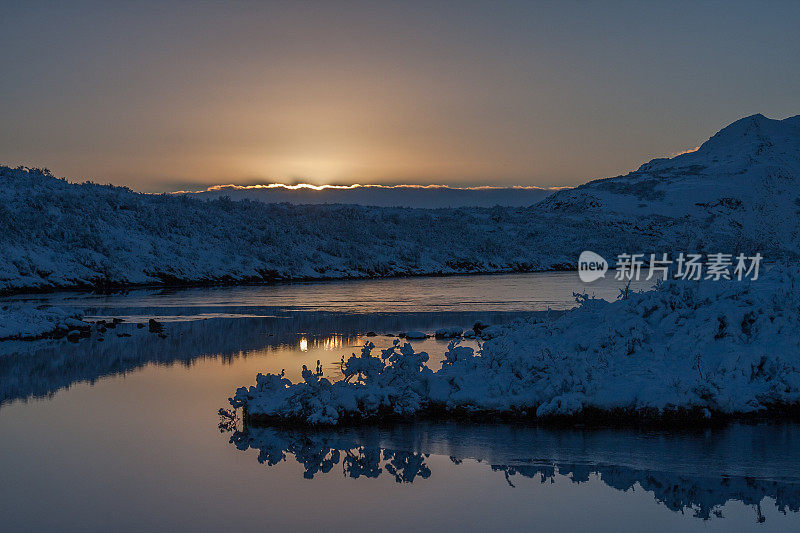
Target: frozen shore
(699, 350)
(25, 322)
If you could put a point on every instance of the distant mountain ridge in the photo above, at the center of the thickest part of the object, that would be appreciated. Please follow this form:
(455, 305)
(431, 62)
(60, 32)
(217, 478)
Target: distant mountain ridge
(428, 197)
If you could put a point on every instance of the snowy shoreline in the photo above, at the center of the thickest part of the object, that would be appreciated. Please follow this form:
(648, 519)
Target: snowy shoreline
(589, 418)
(61, 235)
(103, 286)
(26, 322)
(686, 352)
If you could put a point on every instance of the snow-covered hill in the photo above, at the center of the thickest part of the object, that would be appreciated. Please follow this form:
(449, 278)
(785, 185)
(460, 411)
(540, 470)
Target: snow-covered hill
(743, 181)
(57, 234)
(739, 192)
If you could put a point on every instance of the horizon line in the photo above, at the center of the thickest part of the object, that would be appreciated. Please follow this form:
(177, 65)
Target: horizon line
(310, 186)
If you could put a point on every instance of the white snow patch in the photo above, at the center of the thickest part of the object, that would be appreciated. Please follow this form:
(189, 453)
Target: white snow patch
(20, 321)
(448, 333)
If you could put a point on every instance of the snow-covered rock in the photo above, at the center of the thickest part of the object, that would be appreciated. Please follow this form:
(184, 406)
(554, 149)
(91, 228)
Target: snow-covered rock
(448, 333)
(708, 348)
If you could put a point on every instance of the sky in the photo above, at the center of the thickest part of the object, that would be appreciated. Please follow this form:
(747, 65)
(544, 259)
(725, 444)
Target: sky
(169, 96)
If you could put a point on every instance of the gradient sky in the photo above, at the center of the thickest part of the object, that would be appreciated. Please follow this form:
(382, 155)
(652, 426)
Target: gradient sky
(172, 95)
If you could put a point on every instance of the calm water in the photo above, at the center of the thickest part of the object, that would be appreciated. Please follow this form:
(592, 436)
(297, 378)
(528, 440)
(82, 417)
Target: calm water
(123, 434)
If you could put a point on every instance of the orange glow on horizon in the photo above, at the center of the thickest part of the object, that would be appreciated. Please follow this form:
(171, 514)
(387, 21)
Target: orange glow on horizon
(311, 186)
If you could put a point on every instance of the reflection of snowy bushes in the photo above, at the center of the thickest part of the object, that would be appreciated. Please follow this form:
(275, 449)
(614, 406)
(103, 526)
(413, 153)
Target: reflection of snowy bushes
(709, 347)
(686, 472)
(703, 496)
(319, 455)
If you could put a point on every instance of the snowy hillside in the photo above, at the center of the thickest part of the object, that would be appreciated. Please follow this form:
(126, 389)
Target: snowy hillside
(740, 192)
(744, 181)
(58, 234)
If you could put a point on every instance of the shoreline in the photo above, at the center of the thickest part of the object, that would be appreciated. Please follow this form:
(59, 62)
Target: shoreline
(111, 288)
(589, 418)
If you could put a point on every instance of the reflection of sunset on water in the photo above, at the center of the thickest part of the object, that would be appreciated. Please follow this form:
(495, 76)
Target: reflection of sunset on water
(332, 342)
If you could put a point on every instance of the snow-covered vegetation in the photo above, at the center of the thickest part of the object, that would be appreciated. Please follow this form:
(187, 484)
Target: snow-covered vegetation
(58, 234)
(738, 193)
(26, 322)
(694, 348)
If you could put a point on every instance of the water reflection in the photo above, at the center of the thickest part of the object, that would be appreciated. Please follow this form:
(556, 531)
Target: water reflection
(503, 292)
(687, 472)
(38, 369)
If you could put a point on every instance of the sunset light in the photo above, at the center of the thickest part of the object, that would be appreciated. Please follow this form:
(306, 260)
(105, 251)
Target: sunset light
(404, 266)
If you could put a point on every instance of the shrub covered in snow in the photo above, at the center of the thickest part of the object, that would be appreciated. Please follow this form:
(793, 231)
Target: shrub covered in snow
(394, 383)
(19, 321)
(709, 347)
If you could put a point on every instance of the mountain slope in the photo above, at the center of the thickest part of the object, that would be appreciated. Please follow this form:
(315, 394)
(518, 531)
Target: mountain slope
(743, 181)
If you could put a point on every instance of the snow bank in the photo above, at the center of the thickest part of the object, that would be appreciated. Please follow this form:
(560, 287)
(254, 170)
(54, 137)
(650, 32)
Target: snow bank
(743, 181)
(19, 321)
(728, 348)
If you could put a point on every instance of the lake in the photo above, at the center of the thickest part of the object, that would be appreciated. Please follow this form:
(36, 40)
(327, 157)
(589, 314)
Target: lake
(124, 433)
